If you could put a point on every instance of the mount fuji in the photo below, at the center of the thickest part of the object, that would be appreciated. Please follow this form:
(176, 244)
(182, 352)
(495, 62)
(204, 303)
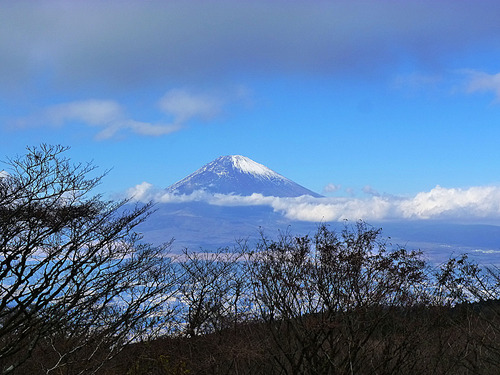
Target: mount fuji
(197, 223)
(236, 174)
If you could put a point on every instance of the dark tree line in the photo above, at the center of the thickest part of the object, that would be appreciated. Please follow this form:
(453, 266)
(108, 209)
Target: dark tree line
(80, 293)
(342, 302)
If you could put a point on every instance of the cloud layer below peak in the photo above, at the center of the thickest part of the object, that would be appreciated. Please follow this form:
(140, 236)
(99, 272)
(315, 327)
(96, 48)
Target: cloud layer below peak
(480, 203)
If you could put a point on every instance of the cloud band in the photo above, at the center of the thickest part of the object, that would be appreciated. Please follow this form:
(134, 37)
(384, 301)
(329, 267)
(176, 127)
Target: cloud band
(480, 202)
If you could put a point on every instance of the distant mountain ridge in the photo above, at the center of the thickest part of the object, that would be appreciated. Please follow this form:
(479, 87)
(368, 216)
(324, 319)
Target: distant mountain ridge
(236, 174)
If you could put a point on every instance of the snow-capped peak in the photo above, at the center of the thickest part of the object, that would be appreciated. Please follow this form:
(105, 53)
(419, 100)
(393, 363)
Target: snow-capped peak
(236, 174)
(249, 166)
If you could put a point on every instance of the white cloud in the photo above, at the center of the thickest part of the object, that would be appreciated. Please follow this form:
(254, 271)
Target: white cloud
(370, 191)
(332, 209)
(483, 82)
(475, 202)
(93, 112)
(112, 118)
(155, 130)
(184, 105)
(141, 192)
(480, 202)
(331, 188)
(145, 192)
(108, 115)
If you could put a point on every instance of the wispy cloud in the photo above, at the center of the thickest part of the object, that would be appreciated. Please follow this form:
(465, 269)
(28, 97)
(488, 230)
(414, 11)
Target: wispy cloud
(93, 112)
(478, 81)
(480, 202)
(185, 105)
(112, 119)
(107, 115)
(331, 188)
(368, 190)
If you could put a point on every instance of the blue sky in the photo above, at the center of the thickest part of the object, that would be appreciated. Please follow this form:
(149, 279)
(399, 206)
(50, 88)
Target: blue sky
(392, 100)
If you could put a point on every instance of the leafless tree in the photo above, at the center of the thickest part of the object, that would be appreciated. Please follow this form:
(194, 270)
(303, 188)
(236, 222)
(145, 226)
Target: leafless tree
(474, 292)
(327, 300)
(213, 289)
(75, 283)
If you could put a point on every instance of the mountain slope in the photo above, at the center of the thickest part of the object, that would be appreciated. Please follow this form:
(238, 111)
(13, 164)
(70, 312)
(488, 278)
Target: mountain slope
(236, 174)
(196, 225)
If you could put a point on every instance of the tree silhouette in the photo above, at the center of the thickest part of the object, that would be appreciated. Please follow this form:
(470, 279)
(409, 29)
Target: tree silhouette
(75, 283)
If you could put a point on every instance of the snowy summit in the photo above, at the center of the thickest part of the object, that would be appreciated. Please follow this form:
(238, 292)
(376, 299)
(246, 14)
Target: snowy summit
(249, 166)
(236, 174)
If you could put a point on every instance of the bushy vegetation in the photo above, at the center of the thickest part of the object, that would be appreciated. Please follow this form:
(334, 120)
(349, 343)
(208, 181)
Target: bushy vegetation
(79, 293)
